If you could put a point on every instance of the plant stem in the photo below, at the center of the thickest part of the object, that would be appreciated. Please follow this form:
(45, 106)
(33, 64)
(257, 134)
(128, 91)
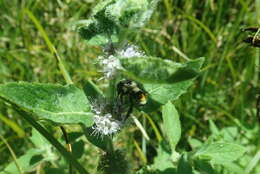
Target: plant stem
(69, 148)
(53, 141)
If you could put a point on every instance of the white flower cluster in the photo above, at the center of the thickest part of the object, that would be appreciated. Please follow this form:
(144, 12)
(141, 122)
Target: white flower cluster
(104, 123)
(130, 51)
(111, 64)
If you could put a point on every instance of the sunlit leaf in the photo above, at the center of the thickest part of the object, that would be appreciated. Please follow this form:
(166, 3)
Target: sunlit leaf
(60, 104)
(220, 153)
(112, 17)
(162, 93)
(171, 124)
(174, 88)
(184, 166)
(162, 162)
(131, 13)
(157, 70)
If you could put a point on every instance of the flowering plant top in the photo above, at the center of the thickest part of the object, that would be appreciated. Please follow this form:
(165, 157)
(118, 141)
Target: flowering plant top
(110, 19)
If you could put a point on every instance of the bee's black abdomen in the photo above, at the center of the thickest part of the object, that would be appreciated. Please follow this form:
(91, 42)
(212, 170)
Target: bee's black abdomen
(131, 89)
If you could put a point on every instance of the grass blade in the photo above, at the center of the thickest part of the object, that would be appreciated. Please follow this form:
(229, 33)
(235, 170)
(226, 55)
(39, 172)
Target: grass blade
(13, 155)
(13, 126)
(50, 46)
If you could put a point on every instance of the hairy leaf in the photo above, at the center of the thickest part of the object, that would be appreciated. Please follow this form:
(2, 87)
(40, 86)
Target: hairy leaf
(203, 166)
(95, 33)
(112, 17)
(162, 93)
(220, 153)
(157, 70)
(60, 104)
(184, 165)
(162, 162)
(131, 13)
(101, 6)
(171, 124)
(39, 141)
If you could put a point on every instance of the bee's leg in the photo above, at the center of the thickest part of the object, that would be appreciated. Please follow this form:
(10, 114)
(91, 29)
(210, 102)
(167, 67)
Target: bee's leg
(130, 110)
(120, 97)
(119, 103)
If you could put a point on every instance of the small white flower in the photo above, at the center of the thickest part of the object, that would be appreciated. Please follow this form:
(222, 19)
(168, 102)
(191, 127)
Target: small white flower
(105, 125)
(110, 66)
(130, 51)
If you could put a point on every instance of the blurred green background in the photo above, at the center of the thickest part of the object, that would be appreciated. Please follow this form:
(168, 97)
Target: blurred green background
(225, 92)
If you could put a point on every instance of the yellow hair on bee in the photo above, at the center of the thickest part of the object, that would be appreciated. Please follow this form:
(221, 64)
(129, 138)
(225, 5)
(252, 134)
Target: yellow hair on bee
(142, 100)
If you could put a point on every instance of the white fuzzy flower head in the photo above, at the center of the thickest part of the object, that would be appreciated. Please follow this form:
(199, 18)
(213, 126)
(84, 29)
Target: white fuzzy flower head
(110, 66)
(105, 125)
(130, 51)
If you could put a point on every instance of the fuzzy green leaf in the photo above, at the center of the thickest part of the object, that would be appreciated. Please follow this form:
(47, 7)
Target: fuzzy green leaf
(184, 165)
(60, 104)
(102, 39)
(203, 166)
(162, 93)
(39, 141)
(156, 70)
(87, 28)
(101, 6)
(220, 153)
(131, 13)
(162, 162)
(112, 17)
(171, 124)
(213, 128)
(95, 33)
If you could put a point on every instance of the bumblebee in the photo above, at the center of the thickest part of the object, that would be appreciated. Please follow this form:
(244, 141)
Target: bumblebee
(130, 88)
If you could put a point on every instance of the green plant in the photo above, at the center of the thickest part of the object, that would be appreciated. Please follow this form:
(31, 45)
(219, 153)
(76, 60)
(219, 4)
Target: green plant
(162, 79)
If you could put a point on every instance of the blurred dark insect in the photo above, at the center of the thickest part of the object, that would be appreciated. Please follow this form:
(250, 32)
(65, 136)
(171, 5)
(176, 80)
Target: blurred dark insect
(253, 39)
